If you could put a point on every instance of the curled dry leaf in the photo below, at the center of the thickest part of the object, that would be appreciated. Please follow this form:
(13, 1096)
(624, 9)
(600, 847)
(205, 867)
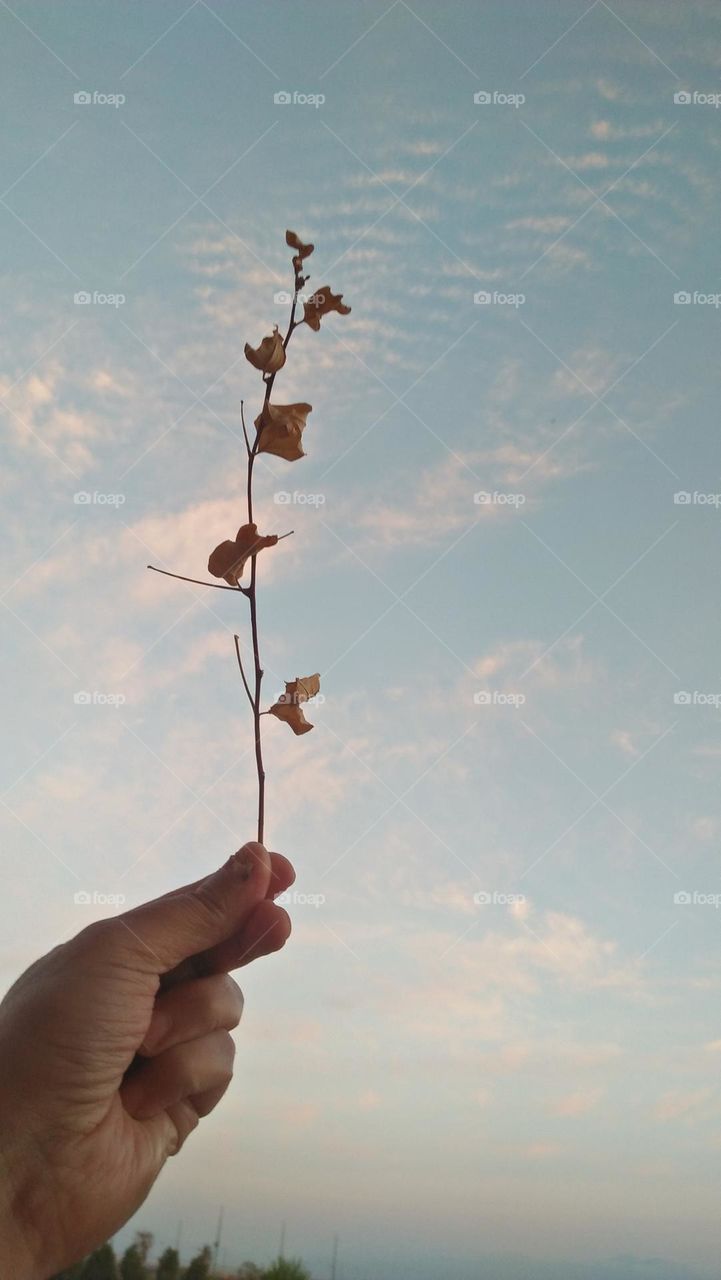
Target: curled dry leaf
(269, 357)
(281, 429)
(289, 708)
(229, 558)
(294, 242)
(320, 303)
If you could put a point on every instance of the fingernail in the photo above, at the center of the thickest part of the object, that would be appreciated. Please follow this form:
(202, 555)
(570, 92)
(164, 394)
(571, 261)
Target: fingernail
(242, 863)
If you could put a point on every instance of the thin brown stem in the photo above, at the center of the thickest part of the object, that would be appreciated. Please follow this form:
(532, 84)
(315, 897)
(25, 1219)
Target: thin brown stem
(242, 672)
(251, 592)
(199, 582)
(245, 433)
(258, 671)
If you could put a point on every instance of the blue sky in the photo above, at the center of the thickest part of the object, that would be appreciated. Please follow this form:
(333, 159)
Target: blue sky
(497, 1037)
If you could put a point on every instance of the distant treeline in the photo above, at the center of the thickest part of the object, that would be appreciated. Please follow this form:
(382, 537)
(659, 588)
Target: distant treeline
(135, 1264)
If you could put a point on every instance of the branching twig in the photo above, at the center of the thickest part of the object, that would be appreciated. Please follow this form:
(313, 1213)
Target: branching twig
(198, 581)
(245, 433)
(252, 590)
(284, 426)
(242, 672)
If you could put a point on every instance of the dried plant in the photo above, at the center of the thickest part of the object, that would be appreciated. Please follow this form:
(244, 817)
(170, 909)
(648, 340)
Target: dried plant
(278, 430)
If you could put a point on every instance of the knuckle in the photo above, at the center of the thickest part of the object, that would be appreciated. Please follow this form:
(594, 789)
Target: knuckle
(102, 940)
(207, 904)
(93, 936)
(197, 911)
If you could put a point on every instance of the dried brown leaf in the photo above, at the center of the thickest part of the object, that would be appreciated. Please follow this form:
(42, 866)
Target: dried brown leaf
(229, 558)
(320, 303)
(281, 429)
(294, 242)
(303, 687)
(289, 705)
(269, 357)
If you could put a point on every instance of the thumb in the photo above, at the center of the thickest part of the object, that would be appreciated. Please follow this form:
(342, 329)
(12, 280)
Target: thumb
(188, 920)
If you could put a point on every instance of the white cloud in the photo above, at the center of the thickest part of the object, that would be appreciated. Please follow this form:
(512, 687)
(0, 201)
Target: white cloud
(566, 665)
(705, 828)
(624, 739)
(42, 410)
(577, 1103)
(606, 131)
(678, 1103)
(551, 223)
(588, 160)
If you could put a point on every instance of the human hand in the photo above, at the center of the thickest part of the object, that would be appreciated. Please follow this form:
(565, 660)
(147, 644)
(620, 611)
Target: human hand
(112, 1047)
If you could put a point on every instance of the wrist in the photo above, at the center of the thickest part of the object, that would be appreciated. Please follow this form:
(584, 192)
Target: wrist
(17, 1259)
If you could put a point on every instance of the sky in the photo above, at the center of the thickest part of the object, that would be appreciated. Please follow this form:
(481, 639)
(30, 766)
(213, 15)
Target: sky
(492, 1046)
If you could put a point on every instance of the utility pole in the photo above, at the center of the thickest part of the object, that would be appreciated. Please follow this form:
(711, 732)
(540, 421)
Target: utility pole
(334, 1263)
(216, 1247)
(178, 1236)
(281, 1254)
